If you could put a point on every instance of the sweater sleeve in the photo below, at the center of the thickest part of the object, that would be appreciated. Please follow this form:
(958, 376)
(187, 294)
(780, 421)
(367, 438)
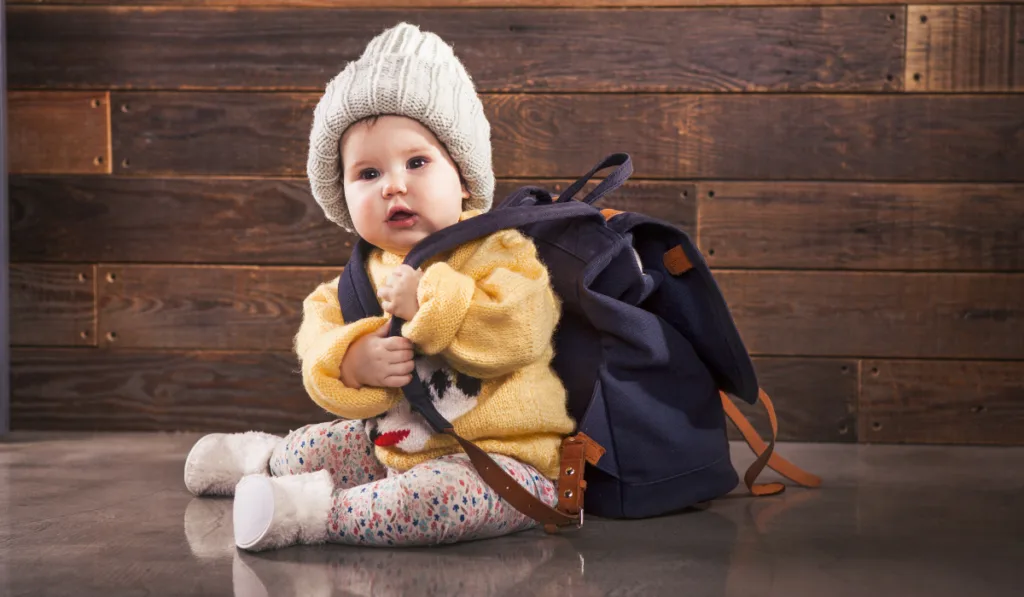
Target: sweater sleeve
(494, 316)
(320, 345)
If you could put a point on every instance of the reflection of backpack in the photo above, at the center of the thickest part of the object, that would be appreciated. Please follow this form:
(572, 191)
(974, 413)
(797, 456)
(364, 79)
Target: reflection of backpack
(646, 353)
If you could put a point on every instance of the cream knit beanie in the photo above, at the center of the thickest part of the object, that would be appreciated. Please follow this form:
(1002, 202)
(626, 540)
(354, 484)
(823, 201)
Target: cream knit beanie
(404, 72)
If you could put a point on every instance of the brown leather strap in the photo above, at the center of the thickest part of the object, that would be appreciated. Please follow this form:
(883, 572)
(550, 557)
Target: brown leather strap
(577, 451)
(766, 454)
(510, 490)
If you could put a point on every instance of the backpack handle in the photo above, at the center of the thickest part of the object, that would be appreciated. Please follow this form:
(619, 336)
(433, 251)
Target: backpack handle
(609, 184)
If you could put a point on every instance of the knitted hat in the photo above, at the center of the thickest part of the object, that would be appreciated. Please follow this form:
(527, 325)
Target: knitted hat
(403, 72)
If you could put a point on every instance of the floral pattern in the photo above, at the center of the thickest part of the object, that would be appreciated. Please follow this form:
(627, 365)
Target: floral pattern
(439, 501)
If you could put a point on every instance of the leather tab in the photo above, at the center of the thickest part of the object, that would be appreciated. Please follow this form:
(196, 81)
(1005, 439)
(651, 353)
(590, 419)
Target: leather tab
(577, 451)
(610, 213)
(676, 261)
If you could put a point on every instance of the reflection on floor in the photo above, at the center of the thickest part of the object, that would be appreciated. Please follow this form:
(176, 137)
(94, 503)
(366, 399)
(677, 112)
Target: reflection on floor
(109, 515)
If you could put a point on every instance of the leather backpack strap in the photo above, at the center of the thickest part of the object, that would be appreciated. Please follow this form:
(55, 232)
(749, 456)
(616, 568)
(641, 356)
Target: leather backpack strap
(515, 494)
(766, 455)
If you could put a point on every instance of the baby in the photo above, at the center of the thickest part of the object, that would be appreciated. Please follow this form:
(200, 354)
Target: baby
(400, 148)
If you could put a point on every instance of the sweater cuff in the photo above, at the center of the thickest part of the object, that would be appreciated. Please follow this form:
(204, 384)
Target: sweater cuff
(444, 296)
(321, 373)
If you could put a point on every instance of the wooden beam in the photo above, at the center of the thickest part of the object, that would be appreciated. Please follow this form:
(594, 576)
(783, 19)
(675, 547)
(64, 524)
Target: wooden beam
(714, 136)
(866, 226)
(960, 48)
(59, 132)
(942, 402)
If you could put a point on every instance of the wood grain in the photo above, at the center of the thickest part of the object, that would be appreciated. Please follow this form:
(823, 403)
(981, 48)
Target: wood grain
(204, 133)
(960, 48)
(815, 399)
(875, 314)
(1018, 40)
(52, 305)
(940, 402)
(227, 221)
(122, 219)
(715, 136)
(723, 49)
(96, 390)
(66, 132)
(966, 227)
(223, 308)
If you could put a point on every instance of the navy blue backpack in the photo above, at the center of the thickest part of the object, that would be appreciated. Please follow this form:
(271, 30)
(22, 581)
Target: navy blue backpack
(646, 348)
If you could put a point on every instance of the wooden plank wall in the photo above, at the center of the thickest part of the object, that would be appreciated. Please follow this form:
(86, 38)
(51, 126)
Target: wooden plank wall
(853, 171)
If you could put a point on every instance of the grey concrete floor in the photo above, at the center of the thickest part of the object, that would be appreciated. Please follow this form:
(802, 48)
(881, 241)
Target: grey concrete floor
(109, 515)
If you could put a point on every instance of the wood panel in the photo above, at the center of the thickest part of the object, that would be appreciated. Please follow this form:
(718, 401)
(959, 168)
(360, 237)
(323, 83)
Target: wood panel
(954, 402)
(737, 136)
(203, 307)
(815, 399)
(59, 132)
(963, 227)
(91, 390)
(52, 304)
(728, 49)
(873, 314)
(209, 133)
(960, 48)
(226, 221)
(1018, 37)
(121, 219)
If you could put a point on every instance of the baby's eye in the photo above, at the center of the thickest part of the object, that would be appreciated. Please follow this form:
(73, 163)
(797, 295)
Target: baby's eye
(369, 174)
(417, 162)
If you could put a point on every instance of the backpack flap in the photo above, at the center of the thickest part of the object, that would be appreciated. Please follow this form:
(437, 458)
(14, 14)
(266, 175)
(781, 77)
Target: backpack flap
(690, 300)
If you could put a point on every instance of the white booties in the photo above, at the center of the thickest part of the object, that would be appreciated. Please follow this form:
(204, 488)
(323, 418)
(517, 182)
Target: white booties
(219, 460)
(272, 512)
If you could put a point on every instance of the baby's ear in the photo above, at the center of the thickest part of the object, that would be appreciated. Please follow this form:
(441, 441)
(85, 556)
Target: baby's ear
(465, 192)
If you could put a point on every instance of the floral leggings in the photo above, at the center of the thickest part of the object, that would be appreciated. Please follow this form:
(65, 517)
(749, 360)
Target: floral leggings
(439, 501)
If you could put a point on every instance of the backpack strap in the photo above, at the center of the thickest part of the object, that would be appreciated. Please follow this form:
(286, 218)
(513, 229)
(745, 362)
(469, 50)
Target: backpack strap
(609, 184)
(766, 454)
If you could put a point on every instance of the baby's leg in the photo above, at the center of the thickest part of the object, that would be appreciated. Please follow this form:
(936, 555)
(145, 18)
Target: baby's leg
(440, 501)
(340, 447)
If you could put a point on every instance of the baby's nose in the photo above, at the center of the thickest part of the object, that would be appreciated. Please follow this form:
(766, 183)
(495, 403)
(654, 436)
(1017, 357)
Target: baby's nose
(395, 185)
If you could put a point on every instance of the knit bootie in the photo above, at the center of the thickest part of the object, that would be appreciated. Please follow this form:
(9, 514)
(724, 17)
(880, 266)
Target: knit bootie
(219, 461)
(272, 512)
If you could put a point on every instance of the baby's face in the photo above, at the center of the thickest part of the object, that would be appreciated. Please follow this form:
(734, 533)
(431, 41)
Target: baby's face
(400, 183)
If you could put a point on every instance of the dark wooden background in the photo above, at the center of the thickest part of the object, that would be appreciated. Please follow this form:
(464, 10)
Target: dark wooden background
(853, 173)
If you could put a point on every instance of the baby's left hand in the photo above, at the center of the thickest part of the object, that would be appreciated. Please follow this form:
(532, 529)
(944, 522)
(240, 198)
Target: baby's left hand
(398, 294)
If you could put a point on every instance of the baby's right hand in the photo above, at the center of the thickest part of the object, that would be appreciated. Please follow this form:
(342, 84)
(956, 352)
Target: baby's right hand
(376, 360)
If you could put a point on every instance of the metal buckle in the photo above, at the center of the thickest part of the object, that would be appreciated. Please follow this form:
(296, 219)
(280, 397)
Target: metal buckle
(580, 524)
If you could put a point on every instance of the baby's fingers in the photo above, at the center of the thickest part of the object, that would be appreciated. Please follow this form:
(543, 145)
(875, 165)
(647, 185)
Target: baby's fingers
(397, 381)
(398, 343)
(400, 356)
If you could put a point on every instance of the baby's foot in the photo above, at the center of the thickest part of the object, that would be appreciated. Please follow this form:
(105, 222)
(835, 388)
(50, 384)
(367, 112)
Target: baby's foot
(219, 461)
(272, 512)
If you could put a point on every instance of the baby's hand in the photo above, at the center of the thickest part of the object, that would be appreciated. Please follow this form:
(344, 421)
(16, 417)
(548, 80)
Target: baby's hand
(376, 360)
(398, 294)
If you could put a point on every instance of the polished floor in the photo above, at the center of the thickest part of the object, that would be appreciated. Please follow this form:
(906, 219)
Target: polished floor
(108, 515)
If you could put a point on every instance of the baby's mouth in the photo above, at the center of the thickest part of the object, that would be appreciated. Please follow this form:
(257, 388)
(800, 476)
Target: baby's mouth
(400, 216)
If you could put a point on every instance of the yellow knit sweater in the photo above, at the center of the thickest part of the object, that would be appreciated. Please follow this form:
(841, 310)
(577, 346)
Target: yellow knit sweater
(483, 338)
